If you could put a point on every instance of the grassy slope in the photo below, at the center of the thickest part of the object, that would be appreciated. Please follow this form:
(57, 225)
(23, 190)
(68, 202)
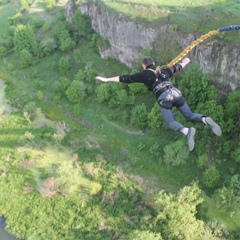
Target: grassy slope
(137, 161)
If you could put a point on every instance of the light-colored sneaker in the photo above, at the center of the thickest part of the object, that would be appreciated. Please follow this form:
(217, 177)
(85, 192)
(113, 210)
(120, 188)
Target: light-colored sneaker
(214, 126)
(190, 138)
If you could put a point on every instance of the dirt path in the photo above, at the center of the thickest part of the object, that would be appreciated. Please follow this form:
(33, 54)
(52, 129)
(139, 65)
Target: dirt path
(125, 130)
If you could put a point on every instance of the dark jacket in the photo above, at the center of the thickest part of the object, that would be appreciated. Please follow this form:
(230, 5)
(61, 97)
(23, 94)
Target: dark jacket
(148, 77)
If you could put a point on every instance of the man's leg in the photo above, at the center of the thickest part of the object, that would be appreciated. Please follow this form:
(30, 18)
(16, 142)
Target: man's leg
(189, 115)
(170, 120)
(199, 118)
(176, 126)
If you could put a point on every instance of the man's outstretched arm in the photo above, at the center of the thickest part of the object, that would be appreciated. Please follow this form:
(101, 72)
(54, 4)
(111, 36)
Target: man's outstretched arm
(111, 79)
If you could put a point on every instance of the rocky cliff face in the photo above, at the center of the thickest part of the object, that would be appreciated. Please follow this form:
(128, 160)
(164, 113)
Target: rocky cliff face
(127, 40)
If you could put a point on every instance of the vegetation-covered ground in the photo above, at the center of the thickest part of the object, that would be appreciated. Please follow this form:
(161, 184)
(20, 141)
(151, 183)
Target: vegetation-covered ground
(183, 15)
(74, 164)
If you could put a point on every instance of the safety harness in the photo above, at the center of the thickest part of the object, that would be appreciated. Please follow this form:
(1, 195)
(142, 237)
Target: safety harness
(162, 83)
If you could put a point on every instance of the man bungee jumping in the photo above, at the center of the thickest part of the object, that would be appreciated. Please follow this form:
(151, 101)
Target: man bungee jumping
(168, 96)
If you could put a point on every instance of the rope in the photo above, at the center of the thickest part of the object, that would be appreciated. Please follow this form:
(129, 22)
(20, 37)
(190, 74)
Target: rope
(202, 38)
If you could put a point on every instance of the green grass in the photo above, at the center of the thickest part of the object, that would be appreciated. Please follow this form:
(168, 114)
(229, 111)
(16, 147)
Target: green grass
(109, 138)
(209, 211)
(6, 11)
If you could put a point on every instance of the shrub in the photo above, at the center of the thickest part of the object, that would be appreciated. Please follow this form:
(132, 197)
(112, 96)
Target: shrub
(30, 108)
(25, 58)
(211, 177)
(76, 92)
(176, 153)
(139, 116)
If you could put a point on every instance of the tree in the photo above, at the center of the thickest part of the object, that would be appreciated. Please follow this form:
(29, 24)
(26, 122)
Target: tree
(51, 4)
(80, 76)
(196, 83)
(25, 58)
(66, 42)
(64, 64)
(24, 38)
(228, 197)
(30, 108)
(3, 51)
(211, 177)
(154, 117)
(139, 116)
(176, 153)
(64, 84)
(176, 215)
(103, 92)
(81, 25)
(48, 45)
(145, 235)
(76, 92)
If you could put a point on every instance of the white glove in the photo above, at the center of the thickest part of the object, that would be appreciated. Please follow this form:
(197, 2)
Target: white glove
(184, 62)
(103, 79)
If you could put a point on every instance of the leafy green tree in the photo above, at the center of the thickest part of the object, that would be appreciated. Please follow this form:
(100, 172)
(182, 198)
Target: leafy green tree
(76, 92)
(211, 177)
(40, 95)
(80, 76)
(64, 84)
(176, 153)
(66, 43)
(51, 4)
(219, 229)
(137, 88)
(103, 92)
(48, 45)
(24, 38)
(154, 117)
(64, 64)
(232, 128)
(176, 215)
(3, 51)
(81, 25)
(232, 113)
(25, 58)
(121, 99)
(228, 197)
(91, 75)
(196, 87)
(139, 116)
(56, 87)
(30, 108)
(144, 235)
(24, 4)
(76, 110)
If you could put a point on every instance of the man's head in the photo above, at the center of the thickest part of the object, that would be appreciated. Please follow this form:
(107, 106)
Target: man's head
(147, 61)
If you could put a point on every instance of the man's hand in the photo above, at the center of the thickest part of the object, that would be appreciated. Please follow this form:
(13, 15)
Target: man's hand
(186, 61)
(103, 79)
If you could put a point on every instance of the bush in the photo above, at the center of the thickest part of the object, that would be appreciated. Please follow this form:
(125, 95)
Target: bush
(154, 117)
(64, 84)
(176, 153)
(25, 39)
(3, 51)
(48, 46)
(64, 64)
(25, 58)
(76, 92)
(30, 108)
(139, 116)
(211, 177)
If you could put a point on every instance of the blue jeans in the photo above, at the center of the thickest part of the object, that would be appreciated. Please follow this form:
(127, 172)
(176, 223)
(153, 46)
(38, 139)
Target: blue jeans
(173, 98)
